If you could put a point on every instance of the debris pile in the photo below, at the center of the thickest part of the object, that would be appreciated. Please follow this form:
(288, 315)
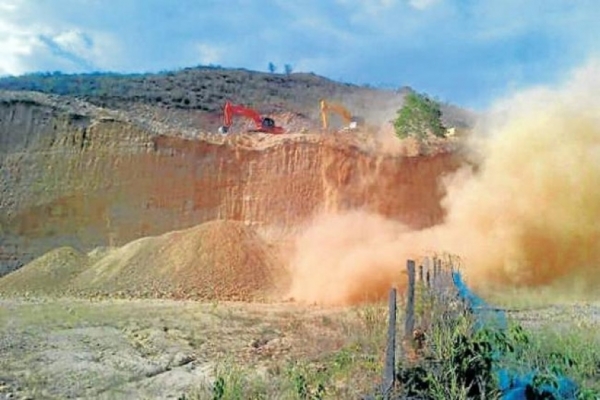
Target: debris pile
(217, 260)
(51, 273)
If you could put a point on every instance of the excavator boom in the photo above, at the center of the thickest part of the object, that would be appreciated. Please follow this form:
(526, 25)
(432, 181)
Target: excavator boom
(266, 125)
(327, 107)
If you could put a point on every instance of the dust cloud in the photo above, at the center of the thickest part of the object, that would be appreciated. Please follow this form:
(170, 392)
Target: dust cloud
(524, 212)
(347, 258)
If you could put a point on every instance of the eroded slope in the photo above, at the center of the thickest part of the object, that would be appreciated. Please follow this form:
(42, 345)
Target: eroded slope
(104, 178)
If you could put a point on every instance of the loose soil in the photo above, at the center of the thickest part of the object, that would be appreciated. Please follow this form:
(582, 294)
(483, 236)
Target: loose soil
(217, 260)
(51, 273)
(162, 349)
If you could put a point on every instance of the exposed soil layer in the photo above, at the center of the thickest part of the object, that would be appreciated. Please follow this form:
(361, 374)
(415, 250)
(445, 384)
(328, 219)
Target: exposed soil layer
(86, 177)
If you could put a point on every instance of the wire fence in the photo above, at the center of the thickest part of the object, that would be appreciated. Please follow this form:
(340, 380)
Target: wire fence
(429, 283)
(435, 292)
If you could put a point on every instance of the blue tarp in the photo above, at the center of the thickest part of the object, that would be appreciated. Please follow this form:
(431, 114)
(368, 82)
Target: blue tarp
(514, 386)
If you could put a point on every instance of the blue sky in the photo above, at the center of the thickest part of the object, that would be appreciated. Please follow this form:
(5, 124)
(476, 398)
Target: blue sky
(467, 52)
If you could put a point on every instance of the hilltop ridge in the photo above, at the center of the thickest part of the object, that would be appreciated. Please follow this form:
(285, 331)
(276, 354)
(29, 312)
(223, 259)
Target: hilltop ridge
(193, 97)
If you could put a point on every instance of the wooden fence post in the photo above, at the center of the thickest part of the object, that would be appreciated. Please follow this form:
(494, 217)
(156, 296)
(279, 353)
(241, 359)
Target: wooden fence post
(421, 273)
(409, 324)
(389, 375)
(438, 274)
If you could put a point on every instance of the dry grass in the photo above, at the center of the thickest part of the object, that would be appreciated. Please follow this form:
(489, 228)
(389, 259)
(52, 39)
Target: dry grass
(223, 350)
(156, 348)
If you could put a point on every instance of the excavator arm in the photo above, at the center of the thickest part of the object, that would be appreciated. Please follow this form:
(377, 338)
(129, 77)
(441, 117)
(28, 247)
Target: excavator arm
(327, 107)
(262, 124)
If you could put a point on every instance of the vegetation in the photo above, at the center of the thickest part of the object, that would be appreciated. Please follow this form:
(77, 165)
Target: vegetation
(258, 352)
(288, 69)
(467, 356)
(205, 89)
(419, 117)
(457, 359)
(459, 364)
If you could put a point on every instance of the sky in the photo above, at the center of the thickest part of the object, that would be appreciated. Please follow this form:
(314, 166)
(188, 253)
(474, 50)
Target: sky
(466, 52)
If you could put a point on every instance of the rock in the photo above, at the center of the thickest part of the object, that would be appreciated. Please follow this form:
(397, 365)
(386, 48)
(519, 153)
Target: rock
(181, 359)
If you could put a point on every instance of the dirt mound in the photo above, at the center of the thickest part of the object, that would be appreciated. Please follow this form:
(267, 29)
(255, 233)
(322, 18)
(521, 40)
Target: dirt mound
(51, 273)
(223, 260)
(296, 122)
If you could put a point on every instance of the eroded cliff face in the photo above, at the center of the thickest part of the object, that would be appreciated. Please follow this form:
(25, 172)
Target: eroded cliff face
(87, 180)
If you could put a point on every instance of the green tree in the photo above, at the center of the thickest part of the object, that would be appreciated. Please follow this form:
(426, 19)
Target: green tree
(419, 117)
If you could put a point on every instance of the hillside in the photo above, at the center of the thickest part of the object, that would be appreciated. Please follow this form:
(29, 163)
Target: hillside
(194, 97)
(78, 175)
(104, 159)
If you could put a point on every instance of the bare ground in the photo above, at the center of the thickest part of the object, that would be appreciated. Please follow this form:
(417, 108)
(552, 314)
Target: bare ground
(71, 348)
(151, 349)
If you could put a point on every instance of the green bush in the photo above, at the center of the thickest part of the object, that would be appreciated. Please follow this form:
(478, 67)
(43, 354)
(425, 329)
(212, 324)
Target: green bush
(419, 117)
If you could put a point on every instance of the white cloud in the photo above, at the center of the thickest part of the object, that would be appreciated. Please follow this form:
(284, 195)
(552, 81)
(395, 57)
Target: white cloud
(442, 46)
(74, 41)
(32, 41)
(15, 45)
(9, 5)
(88, 49)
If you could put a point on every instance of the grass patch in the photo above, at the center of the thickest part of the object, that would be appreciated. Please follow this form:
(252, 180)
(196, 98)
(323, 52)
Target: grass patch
(574, 353)
(462, 363)
(287, 352)
(347, 367)
(458, 360)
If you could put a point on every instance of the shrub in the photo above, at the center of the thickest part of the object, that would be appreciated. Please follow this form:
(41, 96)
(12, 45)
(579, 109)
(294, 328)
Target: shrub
(419, 117)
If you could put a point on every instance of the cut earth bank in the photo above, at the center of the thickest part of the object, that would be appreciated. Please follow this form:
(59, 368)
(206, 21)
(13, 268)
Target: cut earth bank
(132, 209)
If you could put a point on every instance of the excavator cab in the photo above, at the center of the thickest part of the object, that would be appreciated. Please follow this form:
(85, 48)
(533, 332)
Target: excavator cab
(268, 122)
(353, 122)
(265, 125)
(356, 122)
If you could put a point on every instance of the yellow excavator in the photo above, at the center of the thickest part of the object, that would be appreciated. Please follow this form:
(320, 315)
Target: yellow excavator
(353, 122)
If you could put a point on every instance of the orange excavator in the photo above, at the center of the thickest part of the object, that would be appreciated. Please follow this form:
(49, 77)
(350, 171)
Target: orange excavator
(262, 124)
(326, 107)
